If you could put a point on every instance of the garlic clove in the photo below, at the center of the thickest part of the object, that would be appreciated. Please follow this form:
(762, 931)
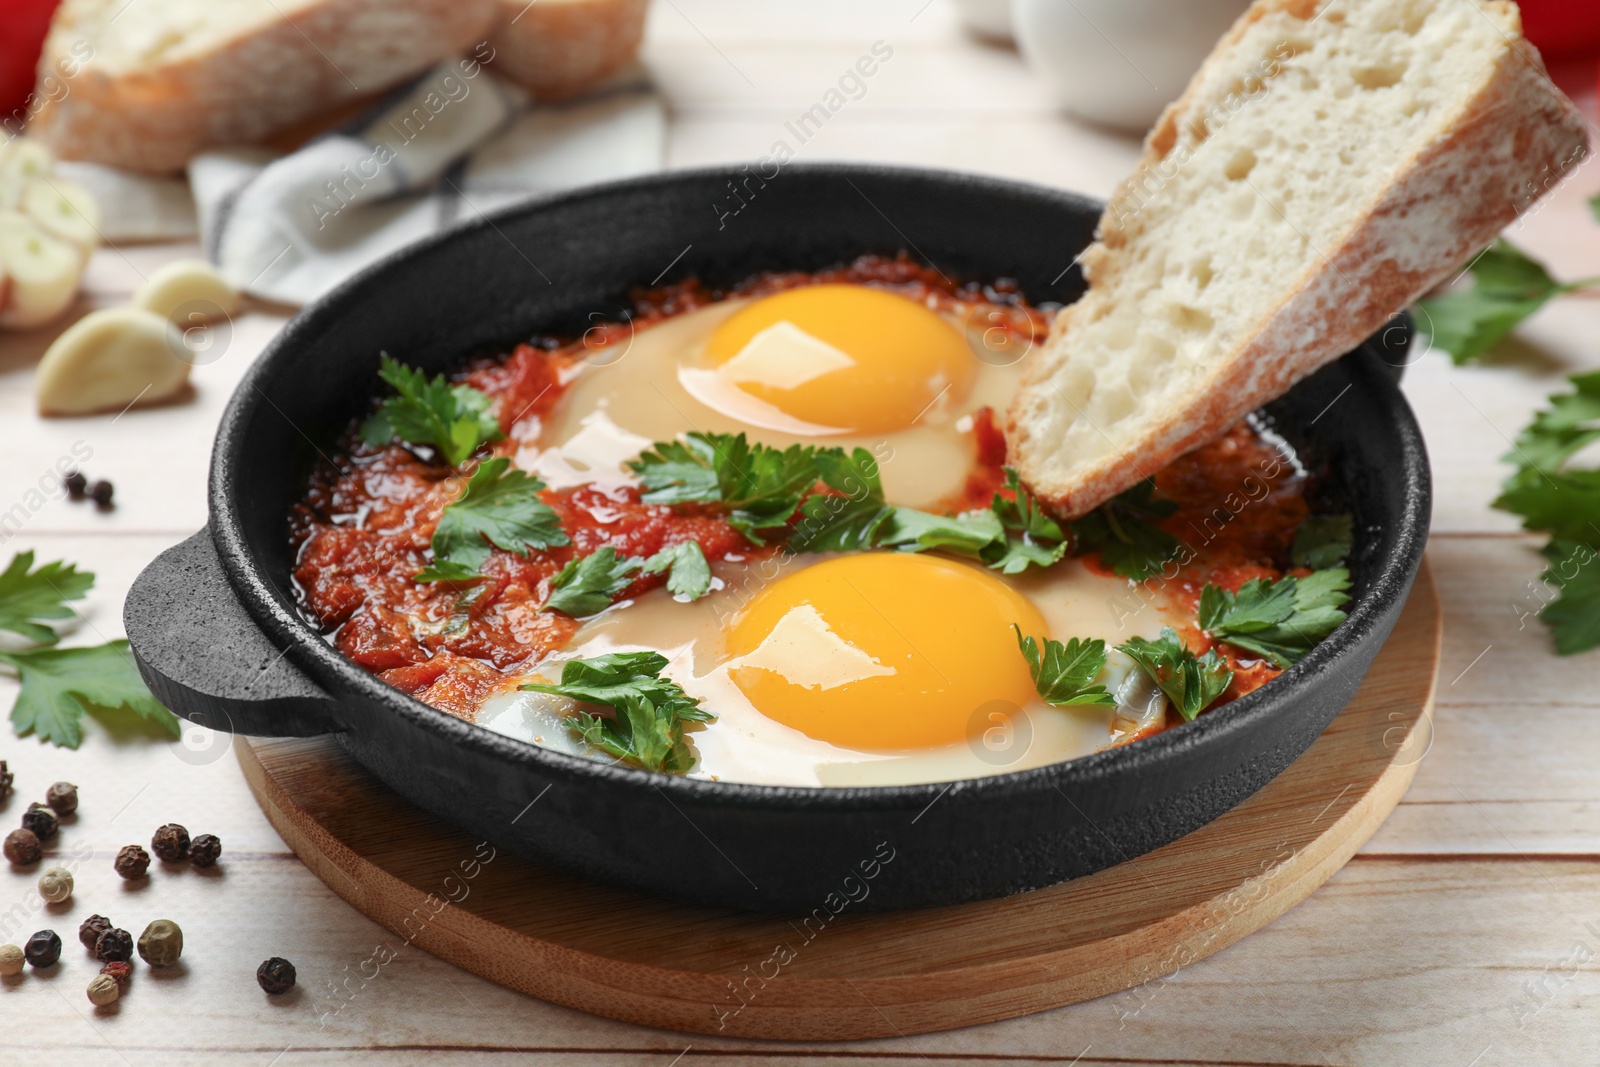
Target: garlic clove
(23, 162)
(64, 209)
(108, 360)
(186, 289)
(41, 272)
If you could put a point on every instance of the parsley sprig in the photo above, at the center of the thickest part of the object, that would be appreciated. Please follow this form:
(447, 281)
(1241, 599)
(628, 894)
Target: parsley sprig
(1123, 531)
(499, 507)
(454, 420)
(760, 486)
(648, 710)
(60, 684)
(587, 584)
(1064, 675)
(1322, 541)
(688, 570)
(1507, 287)
(1280, 621)
(1191, 682)
(1552, 496)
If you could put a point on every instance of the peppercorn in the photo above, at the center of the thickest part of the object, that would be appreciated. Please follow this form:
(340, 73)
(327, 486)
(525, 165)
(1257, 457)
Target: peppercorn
(77, 485)
(11, 960)
(161, 943)
(115, 945)
(101, 493)
(90, 929)
(41, 820)
(62, 798)
(55, 885)
(170, 843)
(103, 990)
(22, 847)
(132, 862)
(43, 948)
(276, 975)
(6, 778)
(204, 850)
(119, 972)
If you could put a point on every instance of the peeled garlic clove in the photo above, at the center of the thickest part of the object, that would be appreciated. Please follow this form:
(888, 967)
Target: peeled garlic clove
(23, 162)
(64, 209)
(41, 272)
(109, 359)
(187, 288)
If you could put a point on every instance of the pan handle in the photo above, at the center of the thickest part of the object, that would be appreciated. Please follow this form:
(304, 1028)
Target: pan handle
(204, 657)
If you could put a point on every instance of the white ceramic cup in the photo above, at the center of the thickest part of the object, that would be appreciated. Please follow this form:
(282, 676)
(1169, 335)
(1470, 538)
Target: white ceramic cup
(1119, 62)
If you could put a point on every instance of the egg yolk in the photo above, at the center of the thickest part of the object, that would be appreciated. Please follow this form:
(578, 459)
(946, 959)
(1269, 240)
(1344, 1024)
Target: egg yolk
(884, 650)
(843, 358)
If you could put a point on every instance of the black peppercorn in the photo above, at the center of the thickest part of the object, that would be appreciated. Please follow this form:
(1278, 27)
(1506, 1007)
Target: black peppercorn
(22, 847)
(90, 929)
(204, 850)
(101, 493)
(170, 843)
(132, 862)
(276, 975)
(77, 485)
(62, 798)
(6, 778)
(114, 946)
(43, 948)
(41, 820)
(118, 972)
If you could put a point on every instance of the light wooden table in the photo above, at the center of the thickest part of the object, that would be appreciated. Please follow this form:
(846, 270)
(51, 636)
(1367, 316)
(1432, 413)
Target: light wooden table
(1466, 933)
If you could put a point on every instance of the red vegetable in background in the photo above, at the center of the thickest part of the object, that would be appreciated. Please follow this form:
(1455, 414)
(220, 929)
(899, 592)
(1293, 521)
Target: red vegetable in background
(22, 28)
(1562, 27)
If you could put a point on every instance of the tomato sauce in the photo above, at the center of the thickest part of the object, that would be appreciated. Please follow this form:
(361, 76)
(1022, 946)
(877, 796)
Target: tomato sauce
(364, 527)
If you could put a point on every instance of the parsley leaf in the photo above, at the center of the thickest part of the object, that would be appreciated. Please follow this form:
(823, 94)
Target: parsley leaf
(1124, 531)
(453, 420)
(1322, 541)
(1038, 541)
(649, 710)
(1064, 674)
(1280, 621)
(850, 521)
(760, 486)
(1507, 288)
(971, 534)
(586, 585)
(501, 507)
(41, 594)
(689, 572)
(60, 684)
(1191, 682)
(1574, 615)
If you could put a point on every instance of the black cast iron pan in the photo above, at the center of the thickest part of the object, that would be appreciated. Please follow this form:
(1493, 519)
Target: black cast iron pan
(217, 636)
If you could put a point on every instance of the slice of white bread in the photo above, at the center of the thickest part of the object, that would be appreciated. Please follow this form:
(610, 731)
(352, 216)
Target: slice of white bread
(154, 82)
(559, 48)
(1330, 162)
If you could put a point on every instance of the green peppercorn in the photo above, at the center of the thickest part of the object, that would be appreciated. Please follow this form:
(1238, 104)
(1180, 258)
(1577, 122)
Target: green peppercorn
(161, 943)
(22, 847)
(114, 945)
(276, 975)
(43, 948)
(103, 990)
(11, 960)
(62, 798)
(90, 929)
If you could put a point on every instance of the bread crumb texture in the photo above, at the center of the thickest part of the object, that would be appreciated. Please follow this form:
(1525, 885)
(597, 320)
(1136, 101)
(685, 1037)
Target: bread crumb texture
(1328, 164)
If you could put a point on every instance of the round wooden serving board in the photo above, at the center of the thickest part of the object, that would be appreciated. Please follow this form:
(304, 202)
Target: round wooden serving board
(664, 963)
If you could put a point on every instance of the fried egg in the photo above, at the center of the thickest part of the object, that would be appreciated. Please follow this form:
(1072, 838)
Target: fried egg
(868, 668)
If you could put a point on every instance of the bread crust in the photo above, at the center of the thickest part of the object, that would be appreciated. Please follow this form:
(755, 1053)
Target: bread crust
(560, 48)
(1447, 201)
(263, 79)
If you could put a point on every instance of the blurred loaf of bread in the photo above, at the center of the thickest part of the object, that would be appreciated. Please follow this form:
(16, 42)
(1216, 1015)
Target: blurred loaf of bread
(159, 81)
